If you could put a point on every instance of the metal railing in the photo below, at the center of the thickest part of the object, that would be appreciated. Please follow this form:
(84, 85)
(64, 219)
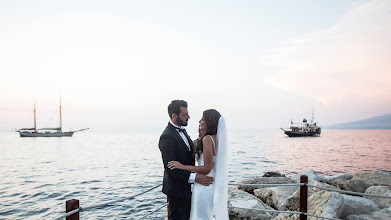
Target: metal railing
(73, 205)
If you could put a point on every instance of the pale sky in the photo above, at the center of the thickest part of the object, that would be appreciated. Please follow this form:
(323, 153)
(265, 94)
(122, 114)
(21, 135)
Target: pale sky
(118, 64)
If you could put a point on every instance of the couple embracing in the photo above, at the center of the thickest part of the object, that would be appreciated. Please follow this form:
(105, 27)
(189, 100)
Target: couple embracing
(208, 200)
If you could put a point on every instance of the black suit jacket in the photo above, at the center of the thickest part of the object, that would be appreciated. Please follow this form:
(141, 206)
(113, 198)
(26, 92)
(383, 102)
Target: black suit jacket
(172, 147)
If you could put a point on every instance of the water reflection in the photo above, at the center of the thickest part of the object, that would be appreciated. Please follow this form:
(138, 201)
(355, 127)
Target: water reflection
(38, 174)
(336, 151)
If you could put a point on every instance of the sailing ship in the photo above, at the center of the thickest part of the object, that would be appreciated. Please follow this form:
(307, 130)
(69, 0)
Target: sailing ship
(305, 129)
(46, 132)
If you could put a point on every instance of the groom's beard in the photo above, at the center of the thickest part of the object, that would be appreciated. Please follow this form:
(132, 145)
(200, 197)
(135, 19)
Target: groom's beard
(180, 122)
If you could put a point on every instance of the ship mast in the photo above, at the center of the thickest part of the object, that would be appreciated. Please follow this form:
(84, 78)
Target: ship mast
(60, 117)
(35, 120)
(312, 120)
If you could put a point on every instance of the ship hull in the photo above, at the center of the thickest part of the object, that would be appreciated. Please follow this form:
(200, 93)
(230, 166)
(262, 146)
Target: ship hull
(55, 134)
(301, 134)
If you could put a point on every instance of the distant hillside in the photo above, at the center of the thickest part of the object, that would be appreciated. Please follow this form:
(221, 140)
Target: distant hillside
(379, 122)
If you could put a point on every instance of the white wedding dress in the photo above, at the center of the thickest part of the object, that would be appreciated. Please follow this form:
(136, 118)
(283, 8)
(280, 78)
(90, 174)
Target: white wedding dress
(210, 202)
(202, 196)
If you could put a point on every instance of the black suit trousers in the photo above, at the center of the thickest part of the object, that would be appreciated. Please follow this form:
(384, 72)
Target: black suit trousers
(179, 208)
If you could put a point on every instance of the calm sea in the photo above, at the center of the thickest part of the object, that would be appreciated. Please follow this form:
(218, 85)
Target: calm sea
(37, 175)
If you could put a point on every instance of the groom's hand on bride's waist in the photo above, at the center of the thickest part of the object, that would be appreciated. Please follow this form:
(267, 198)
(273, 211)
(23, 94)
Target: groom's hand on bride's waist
(203, 179)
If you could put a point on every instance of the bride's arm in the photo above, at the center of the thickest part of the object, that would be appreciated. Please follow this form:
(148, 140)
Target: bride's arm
(208, 160)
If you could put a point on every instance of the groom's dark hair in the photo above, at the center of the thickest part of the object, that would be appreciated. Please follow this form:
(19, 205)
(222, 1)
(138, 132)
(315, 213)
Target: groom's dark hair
(175, 107)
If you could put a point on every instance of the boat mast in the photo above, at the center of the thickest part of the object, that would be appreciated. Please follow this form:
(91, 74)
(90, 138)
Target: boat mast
(312, 120)
(60, 117)
(35, 120)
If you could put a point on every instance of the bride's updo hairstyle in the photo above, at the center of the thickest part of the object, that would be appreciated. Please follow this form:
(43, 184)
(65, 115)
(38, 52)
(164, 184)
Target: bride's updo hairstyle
(211, 118)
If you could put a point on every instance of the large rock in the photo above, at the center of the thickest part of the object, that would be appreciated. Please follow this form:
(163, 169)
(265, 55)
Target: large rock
(356, 185)
(341, 177)
(339, 180)
(263, 180)
(317, 183)
(326, 204)
(382, 191)
(276, 196)
(312, 175)
(379, 215)
(339, 184)
(292, 203)
(285, 216)
(244, 203)
(354, 205)
(273, 174)
(376, 177)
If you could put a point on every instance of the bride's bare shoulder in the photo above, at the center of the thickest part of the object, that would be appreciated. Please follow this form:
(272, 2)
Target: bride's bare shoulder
(207, 140)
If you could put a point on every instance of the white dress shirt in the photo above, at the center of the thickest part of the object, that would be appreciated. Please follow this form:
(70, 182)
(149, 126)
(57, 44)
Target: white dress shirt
(183, 136)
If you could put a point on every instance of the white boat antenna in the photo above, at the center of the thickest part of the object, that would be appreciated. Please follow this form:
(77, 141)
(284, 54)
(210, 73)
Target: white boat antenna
(60, 117)
(35, 119)
(313, 117)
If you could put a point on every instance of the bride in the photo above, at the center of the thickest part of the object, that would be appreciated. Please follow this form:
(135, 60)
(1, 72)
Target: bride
(209, 202)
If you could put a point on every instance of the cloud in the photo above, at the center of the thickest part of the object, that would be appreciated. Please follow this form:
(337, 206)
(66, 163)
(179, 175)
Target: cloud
(351, 59)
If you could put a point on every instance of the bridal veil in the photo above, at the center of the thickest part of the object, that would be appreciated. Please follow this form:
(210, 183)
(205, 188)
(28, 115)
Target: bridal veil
(220, 199)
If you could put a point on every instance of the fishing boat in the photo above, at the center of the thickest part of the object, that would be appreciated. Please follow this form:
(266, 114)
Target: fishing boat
(304, 129)
(46, 132)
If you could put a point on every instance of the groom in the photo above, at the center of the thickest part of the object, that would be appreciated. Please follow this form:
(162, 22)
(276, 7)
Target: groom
(175, 144)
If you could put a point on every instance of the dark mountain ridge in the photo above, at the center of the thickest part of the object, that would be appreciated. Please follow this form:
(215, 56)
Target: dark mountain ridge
(378, 122)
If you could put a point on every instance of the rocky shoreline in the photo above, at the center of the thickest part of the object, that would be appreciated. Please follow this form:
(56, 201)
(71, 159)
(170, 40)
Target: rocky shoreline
(320, 202)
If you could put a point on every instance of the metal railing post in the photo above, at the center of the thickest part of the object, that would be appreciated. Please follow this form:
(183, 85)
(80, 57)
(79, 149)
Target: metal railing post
(303, 196)
(71, 205)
